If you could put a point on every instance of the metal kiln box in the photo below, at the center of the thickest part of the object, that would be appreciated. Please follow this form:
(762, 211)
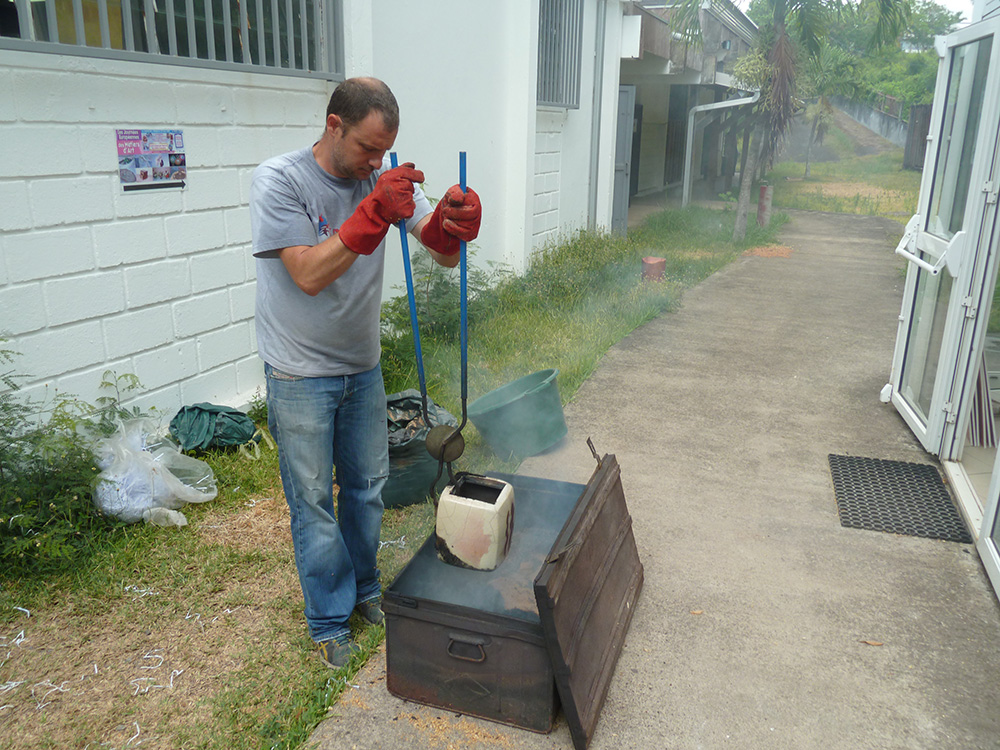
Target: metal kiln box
(543, 628)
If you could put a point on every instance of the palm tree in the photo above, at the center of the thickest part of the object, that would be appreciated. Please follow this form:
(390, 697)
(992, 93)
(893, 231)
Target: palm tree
(826, 74)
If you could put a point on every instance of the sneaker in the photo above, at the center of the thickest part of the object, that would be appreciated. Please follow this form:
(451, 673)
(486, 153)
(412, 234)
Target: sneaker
(337, 652)
(371, 612)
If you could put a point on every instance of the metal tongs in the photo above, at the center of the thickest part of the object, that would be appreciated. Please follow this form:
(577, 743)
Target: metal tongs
(444, 442)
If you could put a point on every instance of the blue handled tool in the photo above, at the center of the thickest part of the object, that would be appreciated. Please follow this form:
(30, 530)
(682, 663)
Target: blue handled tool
(411, 297)
(444, 443)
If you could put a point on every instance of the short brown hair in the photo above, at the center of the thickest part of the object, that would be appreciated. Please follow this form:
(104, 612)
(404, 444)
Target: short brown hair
(354, 99)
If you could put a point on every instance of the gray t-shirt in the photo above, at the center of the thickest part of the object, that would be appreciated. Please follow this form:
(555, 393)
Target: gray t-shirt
(293, 201)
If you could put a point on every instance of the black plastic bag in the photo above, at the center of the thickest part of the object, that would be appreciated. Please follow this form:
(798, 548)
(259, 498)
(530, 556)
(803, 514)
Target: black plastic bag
(411, 467)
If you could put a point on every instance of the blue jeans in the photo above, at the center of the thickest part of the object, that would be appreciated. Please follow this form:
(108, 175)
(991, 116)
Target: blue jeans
(322, 424)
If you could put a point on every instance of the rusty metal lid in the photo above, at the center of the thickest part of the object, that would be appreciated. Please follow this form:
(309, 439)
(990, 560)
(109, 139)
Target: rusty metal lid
(586, 592)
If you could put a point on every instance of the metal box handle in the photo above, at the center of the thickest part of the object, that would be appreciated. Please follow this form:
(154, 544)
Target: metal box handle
(478, 655)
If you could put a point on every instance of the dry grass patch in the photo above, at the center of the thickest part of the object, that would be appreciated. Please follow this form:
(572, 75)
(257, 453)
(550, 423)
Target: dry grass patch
(451, 733)
(147, 668)
(263, 523)
(770, 251)
(212, 653)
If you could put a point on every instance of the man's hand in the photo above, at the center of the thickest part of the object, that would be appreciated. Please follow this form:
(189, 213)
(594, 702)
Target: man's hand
(390, 202)
(456, 218)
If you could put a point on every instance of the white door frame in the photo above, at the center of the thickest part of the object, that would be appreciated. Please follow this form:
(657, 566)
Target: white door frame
(961, 257)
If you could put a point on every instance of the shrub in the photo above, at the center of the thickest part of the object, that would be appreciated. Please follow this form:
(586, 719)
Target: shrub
(47, 474)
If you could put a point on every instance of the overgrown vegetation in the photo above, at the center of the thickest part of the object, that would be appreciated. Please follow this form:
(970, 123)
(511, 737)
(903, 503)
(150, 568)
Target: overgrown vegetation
(904, 71)
(872, 185)
(47, 474)
(168, 636)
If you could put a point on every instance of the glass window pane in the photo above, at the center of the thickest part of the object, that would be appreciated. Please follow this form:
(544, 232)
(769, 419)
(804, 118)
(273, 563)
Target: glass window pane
(957, 141)
(923, 347)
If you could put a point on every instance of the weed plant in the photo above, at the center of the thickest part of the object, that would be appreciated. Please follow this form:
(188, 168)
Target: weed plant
(47, 473)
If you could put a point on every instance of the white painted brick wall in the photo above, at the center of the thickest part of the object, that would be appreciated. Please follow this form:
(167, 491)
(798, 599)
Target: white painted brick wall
(156, 283)
(47, 253)
(225, 346)
(548, 158)
(154, 324)
(23, 308)
(7, 113)
(73, 298)
(221, 268)
(192, 232)
(166, 365)
(60, 350)
(14, 198)
(241, 301)
(237, 225)
(72, 200)
(24, 158)
(205, 312)
(129, 241)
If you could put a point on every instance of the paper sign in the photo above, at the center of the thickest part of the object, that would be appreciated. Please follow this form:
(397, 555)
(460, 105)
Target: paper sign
(151, 159)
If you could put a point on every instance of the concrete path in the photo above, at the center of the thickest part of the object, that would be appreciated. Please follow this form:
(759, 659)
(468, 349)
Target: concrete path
(754, 626)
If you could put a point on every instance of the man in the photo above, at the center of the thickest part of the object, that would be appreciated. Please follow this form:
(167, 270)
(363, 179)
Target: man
(319, 218)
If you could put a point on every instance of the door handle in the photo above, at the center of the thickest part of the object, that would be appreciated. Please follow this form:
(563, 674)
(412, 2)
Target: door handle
(908, 238)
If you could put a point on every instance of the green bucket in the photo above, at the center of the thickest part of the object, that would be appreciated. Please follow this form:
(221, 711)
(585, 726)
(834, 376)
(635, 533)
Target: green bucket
(522, 418)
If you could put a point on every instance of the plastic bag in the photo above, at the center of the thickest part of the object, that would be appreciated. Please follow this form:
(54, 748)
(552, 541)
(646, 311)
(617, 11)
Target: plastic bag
(142, 470)
(411, 467)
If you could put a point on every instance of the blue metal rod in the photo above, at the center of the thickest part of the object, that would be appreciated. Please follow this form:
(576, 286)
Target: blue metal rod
(412, 299)
(463, 335)
(464, 291)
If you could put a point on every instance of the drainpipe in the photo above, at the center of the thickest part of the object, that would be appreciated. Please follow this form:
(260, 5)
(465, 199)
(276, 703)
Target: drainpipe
(595, 127)
(689, 145)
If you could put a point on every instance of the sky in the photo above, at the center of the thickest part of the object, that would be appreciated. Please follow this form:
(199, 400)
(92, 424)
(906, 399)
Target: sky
(958, 6)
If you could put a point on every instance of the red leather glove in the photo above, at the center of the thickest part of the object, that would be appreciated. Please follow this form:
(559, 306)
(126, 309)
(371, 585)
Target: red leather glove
(390, 202)
(456, 217)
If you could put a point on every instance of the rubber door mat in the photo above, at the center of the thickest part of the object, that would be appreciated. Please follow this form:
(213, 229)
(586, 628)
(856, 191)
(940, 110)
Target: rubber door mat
(896, 497)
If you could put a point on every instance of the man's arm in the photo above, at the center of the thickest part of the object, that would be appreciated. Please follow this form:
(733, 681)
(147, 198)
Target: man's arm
(455, 219)
(315, 268)
(448, 261)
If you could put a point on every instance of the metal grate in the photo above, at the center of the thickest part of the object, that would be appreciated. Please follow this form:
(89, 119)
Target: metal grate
(560, 45)
(286, 37)
(896, 497)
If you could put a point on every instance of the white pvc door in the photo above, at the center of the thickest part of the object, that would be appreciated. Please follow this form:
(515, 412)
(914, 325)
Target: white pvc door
(988, 543)
(934, 363)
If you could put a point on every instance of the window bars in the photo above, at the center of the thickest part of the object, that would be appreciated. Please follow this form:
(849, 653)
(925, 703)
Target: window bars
(289, 37)
(560, 42)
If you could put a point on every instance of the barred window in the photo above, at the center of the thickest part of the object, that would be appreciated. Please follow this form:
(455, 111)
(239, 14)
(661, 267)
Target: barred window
(294, 37)
(560, 42)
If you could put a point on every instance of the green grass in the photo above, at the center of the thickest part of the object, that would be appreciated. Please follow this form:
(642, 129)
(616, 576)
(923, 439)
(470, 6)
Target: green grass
(218, 600)
(872, 185)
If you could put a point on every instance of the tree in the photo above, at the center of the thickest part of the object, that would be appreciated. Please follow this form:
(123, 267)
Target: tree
(785, 27)
(905, 71)
(928, 20)
(829, 73)
(752, 72)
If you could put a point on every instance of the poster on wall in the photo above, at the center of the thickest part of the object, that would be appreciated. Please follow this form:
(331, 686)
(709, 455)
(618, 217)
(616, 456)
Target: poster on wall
(151, 159)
